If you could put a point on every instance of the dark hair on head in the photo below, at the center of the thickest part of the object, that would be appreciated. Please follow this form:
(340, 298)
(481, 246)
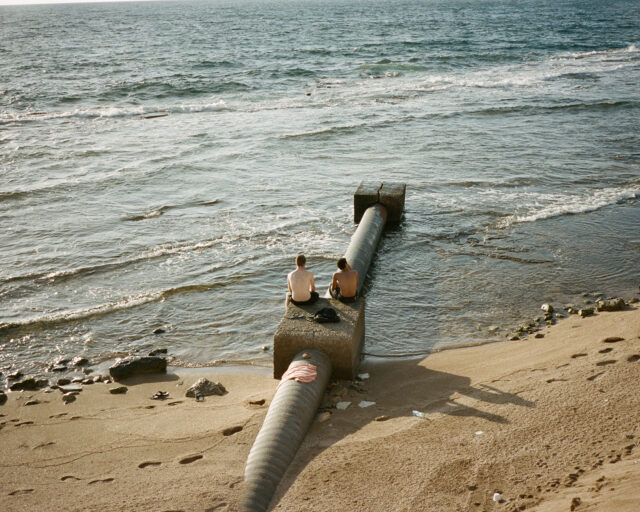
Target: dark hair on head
(342, 263)
(301, 260)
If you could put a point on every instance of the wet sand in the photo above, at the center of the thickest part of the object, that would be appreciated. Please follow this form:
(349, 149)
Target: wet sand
(550, 424)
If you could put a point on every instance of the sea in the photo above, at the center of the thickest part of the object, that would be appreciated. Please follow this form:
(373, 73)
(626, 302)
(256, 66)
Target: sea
(162, 164)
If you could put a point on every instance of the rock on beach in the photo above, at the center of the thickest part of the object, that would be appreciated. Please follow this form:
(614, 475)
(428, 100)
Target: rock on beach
(205, 387)
(616, 304)
(135, 365)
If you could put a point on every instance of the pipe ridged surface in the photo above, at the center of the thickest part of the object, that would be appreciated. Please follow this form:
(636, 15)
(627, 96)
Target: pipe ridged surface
(289, 416)
(364, 241)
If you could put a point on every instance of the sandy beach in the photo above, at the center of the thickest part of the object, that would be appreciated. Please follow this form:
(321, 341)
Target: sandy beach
(551, 424)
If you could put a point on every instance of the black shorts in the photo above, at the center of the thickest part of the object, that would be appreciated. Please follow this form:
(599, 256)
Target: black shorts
(346, 300)
(314, 297)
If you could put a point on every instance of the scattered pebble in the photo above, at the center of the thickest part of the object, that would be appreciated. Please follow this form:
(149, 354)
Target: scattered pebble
(363, 376)
(67, 398)
(381, 418)
(80, 361)
(323, 416)
(159, 330)
(364, 404)
(120, 390)
(342, 405)
(497, 496)
(32, 402)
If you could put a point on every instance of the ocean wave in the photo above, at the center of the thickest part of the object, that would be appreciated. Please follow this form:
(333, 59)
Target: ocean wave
(161, 210)
(326, 132)
(125, 303)
(81, 314)
(629, 51)
(555, 205)
(112, 112)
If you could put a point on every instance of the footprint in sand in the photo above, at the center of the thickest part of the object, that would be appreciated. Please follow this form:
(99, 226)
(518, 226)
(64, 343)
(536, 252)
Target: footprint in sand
(70, 477)
(101, 480)
(231, 430)
(24, 423)
(176, 402)
(595, 376)
(58, 415)
(42, 445)
(20, 491)
(605, 350)
(633, 358)
(578, 355)
(549, 381)
(606, 362)
(190, 459)
(149, 463)
(216, 507)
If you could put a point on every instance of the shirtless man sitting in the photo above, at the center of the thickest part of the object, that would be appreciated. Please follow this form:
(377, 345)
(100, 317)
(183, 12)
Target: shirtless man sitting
(302, 287)
(344, 284)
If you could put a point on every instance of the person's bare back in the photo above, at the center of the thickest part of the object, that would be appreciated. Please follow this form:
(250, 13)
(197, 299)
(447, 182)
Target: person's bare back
(344, 284)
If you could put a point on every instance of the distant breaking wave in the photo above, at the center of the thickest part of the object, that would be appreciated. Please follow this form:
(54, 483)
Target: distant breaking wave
(112, 112)
(555, 205)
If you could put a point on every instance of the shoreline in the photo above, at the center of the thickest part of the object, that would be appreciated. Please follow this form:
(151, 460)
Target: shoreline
(539, 421)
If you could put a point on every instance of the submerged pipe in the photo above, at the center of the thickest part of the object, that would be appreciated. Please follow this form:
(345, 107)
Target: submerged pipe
(364, 242)
(289, 416)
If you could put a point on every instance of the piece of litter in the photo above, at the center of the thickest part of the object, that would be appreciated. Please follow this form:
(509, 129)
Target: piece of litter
(479, 432)
(419, 414)
(364, 404)
(497, 496)
(342, 405)
(363, 376)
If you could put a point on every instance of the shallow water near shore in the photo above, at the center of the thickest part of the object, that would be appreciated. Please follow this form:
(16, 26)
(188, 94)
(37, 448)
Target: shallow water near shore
(514, 125)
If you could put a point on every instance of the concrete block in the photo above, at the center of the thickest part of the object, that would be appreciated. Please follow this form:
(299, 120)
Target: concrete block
(391, 195)
(341, 341)
(367, 194)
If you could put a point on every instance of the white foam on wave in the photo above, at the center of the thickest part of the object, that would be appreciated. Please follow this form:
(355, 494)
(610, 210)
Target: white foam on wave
(546, 206)
(79, 314)
(629, 51)
(115, 112)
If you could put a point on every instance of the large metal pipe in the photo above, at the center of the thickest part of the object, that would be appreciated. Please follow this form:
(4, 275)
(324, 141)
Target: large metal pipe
(289, 416)
(364, 242)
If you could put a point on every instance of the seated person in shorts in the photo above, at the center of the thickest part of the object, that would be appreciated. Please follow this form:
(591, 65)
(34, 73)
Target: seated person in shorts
(344, 285)
(302, 288)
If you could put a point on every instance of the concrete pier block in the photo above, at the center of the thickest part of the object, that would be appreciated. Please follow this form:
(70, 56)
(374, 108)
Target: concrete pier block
(392, 197)
(389, 194)
(341, 341)
(367, 194)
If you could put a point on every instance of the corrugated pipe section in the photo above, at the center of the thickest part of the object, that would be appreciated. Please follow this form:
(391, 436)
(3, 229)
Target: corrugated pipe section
(290, 414)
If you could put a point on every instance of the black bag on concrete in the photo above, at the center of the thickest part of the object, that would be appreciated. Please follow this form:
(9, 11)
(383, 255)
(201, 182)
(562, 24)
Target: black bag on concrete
(326, 316)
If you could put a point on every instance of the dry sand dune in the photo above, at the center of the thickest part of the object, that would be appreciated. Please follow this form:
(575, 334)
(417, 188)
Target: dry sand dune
(551, 424)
